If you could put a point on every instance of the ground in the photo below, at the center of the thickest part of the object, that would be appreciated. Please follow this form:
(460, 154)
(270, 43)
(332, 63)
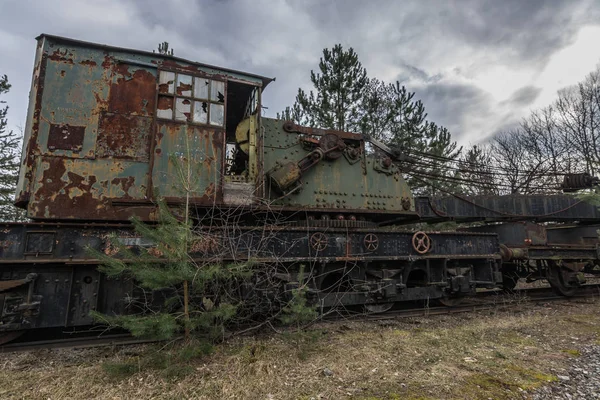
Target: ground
(500, 354)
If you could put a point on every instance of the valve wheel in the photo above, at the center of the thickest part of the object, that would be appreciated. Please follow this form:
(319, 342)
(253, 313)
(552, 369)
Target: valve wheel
(318, 241)
(371, 242)
(421, 242)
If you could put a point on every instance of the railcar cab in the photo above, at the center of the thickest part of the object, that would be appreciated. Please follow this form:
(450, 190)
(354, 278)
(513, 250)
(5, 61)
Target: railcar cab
(108, 129)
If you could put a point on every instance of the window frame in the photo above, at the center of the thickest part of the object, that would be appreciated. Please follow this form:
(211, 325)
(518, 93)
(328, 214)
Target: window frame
(174, 96)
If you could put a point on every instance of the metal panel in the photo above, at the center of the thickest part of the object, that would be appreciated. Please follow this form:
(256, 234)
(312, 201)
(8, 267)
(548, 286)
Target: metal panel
(70, 188)
(84, 295)
(355, 184)
(510, 207)
(203, 147)
(66, 137)
(124, 136)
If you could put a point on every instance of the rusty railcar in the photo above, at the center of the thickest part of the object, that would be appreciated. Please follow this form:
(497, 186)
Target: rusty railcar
(103, 123)
(106, 127)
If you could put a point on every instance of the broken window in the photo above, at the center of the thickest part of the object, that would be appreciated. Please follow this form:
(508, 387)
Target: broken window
(166, 81)
(182, 109)
(200, 112)
(188, 98)
(252, 106)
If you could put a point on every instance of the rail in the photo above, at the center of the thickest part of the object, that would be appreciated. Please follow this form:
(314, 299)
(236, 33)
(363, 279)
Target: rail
(481, 302)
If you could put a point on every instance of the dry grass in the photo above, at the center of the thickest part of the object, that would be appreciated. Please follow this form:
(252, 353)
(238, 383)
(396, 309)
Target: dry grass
(480, 355)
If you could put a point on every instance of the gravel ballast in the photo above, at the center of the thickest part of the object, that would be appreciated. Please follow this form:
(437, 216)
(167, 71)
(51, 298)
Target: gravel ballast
(580, 381)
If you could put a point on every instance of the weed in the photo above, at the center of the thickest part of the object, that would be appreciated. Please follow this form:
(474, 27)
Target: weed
(499, 354)
(195, 349)
(572, 352)
(305, 342)
(176, 371)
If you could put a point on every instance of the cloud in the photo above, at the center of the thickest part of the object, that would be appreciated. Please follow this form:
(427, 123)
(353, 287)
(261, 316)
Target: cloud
(523, 96)
(460, 107)
(478, 65)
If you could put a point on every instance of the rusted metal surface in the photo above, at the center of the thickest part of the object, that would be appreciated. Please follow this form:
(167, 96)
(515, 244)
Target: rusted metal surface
(133, 90)
(516, 234)
(92, 143)
(124, 136)
(353, 183)
(6, 285)
(66, 137)
(233, 74)
(30, 144)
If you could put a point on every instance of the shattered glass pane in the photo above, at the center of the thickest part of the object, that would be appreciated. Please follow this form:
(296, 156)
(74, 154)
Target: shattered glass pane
(217, 91)
(182, 109)
(166, 82)
(165, 107)
(217, 112)
(184, 85)
(201, 88)
(200, 112)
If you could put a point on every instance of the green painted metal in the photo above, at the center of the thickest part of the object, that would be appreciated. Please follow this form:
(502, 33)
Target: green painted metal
(335, 184)
(195, 148)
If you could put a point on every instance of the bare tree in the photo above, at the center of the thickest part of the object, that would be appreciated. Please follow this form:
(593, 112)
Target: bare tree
(578, 120)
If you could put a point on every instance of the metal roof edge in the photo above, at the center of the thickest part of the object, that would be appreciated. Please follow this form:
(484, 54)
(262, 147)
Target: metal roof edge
(265, 80)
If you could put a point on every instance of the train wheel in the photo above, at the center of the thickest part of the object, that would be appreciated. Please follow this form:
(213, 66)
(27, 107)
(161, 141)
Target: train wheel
(9, 336)
(562, 280)
(378, 308)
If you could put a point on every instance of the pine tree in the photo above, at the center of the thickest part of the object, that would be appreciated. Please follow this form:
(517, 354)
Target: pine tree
(165, 269)
(339, 90)
(293, 113)
(391, 114)
(441, 172)
(9, 163)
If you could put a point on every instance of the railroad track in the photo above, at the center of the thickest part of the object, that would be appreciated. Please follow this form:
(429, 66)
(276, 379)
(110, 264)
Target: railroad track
(481, 302)
(120, 339)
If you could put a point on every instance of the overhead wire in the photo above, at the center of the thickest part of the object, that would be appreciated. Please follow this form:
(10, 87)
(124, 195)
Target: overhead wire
(480, 166)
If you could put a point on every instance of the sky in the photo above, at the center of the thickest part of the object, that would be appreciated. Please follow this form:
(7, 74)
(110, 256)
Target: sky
(479, 66)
